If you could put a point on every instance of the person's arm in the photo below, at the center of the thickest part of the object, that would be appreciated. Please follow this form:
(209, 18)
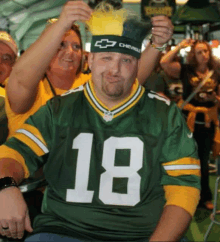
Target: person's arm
(177, 214)
(21, 156)
(149, 59)
(172, 225)
(32, 65)
(168, 63)
(180, 179)
(162, 32)
(13, 209)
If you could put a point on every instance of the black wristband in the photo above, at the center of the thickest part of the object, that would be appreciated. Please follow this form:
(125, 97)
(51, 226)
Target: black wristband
(7, 182)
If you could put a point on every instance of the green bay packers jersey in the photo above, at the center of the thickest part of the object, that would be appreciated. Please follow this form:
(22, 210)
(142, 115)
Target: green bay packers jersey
(106, 168)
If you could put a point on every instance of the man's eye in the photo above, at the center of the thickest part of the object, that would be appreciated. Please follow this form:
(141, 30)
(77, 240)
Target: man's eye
(126, 60)
(106, 58)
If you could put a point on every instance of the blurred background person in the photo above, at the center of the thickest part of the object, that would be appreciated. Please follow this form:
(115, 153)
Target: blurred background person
(160, 82)
(201, 111)
(8, 55)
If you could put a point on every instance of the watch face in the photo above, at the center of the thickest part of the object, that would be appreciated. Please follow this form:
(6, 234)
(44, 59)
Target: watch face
(7, 182)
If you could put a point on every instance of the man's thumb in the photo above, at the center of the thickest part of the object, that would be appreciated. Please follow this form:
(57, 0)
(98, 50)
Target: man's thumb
(28, 223)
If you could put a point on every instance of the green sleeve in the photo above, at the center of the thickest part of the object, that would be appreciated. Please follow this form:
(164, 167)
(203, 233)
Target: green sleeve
(180, 162)
(34, 139)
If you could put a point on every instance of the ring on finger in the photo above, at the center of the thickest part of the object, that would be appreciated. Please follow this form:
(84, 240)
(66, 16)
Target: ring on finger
(5, 228)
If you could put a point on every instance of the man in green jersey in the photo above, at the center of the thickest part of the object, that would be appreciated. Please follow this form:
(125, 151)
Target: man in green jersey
(120, 162)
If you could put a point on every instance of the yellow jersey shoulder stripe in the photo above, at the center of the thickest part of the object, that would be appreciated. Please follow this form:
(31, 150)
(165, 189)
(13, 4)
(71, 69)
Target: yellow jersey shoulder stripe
(184, 172)
(30, 143)
(184, 166)
(35, 139)
(183, 161)
(34, 131)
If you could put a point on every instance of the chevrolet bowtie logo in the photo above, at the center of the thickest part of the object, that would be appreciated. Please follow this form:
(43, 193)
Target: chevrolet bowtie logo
(104, 43)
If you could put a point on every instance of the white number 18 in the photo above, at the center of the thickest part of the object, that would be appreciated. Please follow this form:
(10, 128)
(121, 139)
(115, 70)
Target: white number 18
(83, 142)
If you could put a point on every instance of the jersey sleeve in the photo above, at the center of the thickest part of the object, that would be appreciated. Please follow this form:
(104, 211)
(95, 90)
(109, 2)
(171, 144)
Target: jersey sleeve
(32, 140)
(180, 163)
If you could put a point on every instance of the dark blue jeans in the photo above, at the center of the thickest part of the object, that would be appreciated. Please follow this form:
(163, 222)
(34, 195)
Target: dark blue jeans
(59, 238)
(50, 237)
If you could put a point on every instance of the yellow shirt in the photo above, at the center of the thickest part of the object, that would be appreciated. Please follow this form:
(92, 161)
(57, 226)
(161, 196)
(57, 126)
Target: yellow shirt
(2, 92)
(2, 107)
(44, 93)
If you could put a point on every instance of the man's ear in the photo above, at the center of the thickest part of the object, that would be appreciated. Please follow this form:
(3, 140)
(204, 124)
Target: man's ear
(90, 60)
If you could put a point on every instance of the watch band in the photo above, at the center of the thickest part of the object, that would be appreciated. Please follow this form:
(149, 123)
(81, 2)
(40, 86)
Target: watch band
(7, 182)
(161, 48)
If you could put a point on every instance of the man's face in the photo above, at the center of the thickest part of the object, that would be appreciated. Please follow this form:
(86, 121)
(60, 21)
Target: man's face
(112, 74)
(7, 59)
(202, 53)
(68, 58)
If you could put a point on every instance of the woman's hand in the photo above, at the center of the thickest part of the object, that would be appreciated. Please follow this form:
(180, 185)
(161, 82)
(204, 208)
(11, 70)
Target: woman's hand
(74, 11)
(162, 30)
(185, 43)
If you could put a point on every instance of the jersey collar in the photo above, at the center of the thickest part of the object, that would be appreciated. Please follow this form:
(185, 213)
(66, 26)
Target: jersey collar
(109, 114)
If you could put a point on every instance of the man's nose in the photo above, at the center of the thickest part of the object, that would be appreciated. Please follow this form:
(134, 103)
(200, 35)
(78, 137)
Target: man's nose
(115, 67)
